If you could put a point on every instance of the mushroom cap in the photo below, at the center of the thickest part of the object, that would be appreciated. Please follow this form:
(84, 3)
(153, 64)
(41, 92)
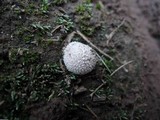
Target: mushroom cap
(79, 58)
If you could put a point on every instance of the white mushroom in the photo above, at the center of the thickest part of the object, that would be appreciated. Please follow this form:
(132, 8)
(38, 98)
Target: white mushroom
(79, 58)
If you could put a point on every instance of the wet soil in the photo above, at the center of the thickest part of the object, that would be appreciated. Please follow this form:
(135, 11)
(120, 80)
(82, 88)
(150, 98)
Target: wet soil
(137, 40)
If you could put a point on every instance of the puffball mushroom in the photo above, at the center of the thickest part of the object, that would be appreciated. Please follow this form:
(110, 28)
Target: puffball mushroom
(79, 58)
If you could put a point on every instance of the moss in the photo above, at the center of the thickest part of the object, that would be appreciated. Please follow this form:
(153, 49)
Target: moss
(23, 56)
(84, 8)
(28, 85)
(66, 22)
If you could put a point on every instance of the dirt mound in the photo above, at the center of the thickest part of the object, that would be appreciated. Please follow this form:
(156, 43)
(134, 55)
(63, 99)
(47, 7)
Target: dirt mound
(144, 16)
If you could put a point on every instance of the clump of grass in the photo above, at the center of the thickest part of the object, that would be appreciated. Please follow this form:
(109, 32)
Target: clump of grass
(66, 23)
(84, 10)
(32, 33)
(98, 6)
(87, 29)
(40, 27)
(44, 6)
(32, 8)
(24, 34)
(30, 82)
(23, 56)
(39, 31)
(59, 2)
(121, 115)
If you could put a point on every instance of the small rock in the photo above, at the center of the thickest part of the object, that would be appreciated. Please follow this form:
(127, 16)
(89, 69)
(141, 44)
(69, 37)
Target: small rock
(79, 90)
(99, 98)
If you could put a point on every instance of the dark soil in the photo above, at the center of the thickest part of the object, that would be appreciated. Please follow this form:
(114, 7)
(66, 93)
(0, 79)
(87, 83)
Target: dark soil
(53, 110)
(31, 89)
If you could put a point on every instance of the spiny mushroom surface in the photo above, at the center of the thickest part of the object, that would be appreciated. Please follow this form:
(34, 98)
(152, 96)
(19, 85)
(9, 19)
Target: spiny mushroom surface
(79, 58)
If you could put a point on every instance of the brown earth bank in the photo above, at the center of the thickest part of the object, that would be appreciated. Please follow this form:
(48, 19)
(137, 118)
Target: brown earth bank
(36, 90)
(144, 16)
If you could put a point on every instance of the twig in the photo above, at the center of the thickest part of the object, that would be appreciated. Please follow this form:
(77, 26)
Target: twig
(125, 69)
(69, 38)
(91, 95)
(91, 111)
(62, 10)
(110, 36)
(92, 45)
(120, 67)
(56, 28)
(103, 62)
(1, 103)
(50, 40)
(83, 108)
